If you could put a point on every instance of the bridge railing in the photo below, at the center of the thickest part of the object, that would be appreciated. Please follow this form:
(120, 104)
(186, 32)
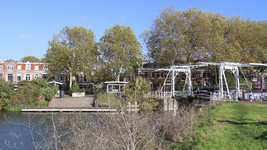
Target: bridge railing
(222, 97)
(168, 94)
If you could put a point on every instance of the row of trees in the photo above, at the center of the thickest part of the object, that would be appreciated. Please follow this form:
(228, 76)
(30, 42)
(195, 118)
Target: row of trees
(175, 37)
(195, 35)
(75, 50)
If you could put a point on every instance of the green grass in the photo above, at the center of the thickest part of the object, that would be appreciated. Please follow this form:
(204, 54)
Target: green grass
(231, 126)
(108, 98)
(41, 104)
(16, 107)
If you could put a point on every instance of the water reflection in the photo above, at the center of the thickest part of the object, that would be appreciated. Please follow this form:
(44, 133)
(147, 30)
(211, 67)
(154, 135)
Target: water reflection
(82, 130)
(17, 128)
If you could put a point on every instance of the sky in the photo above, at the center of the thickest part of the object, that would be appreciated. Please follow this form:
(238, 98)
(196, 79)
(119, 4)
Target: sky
(27, 26)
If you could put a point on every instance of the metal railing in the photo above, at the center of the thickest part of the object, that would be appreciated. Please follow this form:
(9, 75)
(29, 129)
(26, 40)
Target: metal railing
(168, 94)
(224, 97)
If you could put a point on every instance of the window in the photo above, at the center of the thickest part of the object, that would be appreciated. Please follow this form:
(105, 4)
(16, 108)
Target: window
(36, 76)
(28, 77)
(139, 73)
(18, 77)
(45, 76)
(9, 67)
(162, 74)
(204, 75)
(77, 77)
(1, 67)
(19, 67)
(177, 75)
(84, 78)
(62, 78)
(10, 77)
(146, 74)
(199, 76)
(36, 67)
(153, 74)
(157, 74)
(28, 67)
(1, 75)
(193, 75)
(208, 75)
(183, 76)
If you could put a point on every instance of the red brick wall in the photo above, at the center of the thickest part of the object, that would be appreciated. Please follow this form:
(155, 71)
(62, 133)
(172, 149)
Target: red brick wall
(23, 67)
(32, 66)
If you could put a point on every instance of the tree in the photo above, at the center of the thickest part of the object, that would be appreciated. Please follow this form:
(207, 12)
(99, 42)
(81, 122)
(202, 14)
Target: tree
(71, 51)
(177, 37)
(194, 35)
(30, 58)
(120, 50)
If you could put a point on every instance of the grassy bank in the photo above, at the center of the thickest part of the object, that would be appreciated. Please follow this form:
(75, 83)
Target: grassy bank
(231, 126)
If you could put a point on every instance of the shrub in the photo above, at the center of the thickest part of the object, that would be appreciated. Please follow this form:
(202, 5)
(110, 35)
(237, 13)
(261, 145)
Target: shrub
(29, 93)
(49, 92)
(136, 90)
(74, 87)
(6, 92)
(82, 90)
(108, 98)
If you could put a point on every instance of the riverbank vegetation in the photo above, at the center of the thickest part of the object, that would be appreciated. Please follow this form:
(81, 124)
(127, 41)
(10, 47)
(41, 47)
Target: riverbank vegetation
(219, 126)
(35, 93)
(142, 130)
(135, 91)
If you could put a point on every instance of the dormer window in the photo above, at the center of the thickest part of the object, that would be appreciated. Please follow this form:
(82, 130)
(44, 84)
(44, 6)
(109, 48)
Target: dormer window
(1, 67)
(28, 67)
(9, 67)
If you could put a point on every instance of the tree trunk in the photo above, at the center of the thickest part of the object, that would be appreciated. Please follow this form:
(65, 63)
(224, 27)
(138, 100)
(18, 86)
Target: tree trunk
(70, 80)
(118, 76)
(216, 78)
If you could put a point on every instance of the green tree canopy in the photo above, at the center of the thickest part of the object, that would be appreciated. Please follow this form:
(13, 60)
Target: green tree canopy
(120, 50)
(195, 35)
(30, 58)
(71, 51)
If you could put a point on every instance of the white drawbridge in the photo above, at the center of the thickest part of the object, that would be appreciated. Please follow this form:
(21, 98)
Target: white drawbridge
(173, 72)
(233, 66)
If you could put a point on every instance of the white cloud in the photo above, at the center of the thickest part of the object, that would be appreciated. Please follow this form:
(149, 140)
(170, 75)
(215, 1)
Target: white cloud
(25, 36)
(84, 17)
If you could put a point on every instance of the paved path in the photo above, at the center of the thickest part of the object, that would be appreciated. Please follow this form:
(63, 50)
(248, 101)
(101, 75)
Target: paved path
(72, 102)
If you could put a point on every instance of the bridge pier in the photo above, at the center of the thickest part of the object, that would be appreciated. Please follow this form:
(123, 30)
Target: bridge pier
(166, 104)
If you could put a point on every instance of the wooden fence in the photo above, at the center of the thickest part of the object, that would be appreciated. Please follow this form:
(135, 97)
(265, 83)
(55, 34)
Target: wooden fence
(132, 107)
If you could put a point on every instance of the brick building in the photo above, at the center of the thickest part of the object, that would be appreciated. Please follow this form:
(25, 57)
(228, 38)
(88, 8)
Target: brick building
(17, 71)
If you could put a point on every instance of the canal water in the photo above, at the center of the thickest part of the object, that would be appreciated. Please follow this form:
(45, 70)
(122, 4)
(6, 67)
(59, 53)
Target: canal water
(14, 129)
(72, 128)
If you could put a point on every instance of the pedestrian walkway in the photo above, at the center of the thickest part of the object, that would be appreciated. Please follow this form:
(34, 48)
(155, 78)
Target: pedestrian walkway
(72, 102)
